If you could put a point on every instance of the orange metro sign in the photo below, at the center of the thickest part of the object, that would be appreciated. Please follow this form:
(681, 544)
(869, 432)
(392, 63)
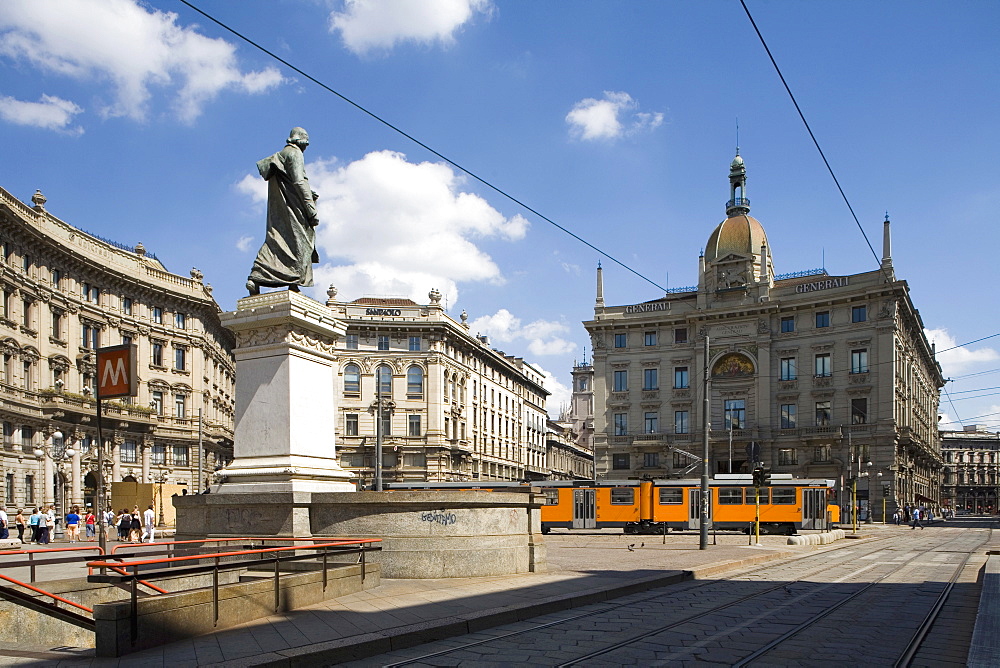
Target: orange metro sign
(116, 372)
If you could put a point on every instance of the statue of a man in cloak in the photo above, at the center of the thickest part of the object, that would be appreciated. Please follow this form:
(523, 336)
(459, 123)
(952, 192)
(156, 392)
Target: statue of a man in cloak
(289, 250)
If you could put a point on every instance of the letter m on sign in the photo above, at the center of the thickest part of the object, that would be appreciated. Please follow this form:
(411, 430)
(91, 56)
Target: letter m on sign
(116, 372)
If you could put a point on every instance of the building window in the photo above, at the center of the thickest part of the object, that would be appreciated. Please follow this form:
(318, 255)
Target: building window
(9, 488)
(157, 354)
(824, 413)
(57, 326)
(352, 379)
(681, 422)
(822, 319)
(859, 313)
(788, 416)
(621, 381)
(386, 423)
(788, 323)
(91, 337)
(681, 335)
(650, 379)
(56, 278)
(823, 366)
(351, 424)
(180, 320)
(180, 406)
(29, 375)
(180, 359)
(352, 341)
(413, 425)
(859, 411)
(158, 402)
(620, 462)
(26, 309)
(158, 315)
(787, 457)
(26, 263)
(158, 455)
(652, 423)
(180, 454)
(8, 435)
(414, 344)
(8, 303)
(126, 339)
(788, 370)
(383, 342)
(681, 378)
(621, 424)
(127, 453)
(621, 340)
(821, 453)
(649, 338)
(651, 460)
(384, 376)
(859, 361)
(29, 489)
(735, 413)
(127, 305)
(415, 381)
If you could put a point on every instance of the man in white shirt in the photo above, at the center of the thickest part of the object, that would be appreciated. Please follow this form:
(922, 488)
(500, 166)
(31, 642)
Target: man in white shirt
(149, 520)
(4, 531)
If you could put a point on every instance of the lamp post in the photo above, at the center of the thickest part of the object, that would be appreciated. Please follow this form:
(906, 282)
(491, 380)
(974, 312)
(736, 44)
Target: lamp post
(160, 477)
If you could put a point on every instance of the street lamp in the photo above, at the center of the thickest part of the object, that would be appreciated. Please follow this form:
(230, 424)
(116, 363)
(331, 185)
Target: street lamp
(160, 478)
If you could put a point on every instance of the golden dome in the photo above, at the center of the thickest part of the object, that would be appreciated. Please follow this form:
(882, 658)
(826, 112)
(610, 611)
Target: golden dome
(740, 234)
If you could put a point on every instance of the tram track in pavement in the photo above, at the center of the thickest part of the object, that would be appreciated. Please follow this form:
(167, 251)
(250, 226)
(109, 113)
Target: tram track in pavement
(832, 558)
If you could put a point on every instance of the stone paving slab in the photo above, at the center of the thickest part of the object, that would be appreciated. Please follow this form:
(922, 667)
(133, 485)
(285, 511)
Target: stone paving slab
(583, 569)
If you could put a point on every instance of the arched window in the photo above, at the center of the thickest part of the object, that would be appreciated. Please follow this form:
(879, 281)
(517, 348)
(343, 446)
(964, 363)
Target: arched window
(384, 376)
(415, 381)
(352, 379)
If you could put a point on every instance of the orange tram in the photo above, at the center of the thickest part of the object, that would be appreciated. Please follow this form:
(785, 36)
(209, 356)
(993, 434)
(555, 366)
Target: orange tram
(655, 506)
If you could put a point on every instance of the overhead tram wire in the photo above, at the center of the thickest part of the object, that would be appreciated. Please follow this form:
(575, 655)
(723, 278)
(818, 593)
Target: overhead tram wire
(957, 418)
(421, 144)
(826, 162)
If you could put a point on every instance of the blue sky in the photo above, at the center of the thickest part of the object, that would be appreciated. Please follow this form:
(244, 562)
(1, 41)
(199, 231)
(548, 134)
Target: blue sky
(143, 122)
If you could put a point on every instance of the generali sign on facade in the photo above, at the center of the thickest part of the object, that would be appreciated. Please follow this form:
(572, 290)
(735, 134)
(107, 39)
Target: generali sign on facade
(116, 372)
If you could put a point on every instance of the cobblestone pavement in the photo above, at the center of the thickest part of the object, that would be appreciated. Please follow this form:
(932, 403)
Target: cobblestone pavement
(721, 621)
(590, 567)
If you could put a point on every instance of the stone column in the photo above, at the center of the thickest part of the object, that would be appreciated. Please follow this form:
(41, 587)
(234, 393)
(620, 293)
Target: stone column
(76, 477)
(144, 449)
(48, 489)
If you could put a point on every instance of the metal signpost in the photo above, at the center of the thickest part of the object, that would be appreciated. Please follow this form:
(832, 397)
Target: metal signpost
(705, 498)
(116, 377)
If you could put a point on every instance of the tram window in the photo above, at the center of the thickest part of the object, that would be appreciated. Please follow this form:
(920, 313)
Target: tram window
(551, 497)
(671, 496)
(730, 496)
(783, 496)
(622, 496)
(750, 495)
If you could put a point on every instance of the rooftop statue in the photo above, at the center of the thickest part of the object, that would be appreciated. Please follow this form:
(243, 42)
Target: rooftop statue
(289, 249)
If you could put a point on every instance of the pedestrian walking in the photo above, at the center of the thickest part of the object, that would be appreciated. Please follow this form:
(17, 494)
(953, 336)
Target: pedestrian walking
(34, 521)
(149, 520)
(135, 526)
(46, 525)
(916, 519)
(4, 529)
(124, 524)
(90, 522)
(73, 525)
(21, 523)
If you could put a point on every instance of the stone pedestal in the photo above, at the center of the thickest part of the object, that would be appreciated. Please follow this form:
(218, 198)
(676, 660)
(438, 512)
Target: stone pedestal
(285, 403)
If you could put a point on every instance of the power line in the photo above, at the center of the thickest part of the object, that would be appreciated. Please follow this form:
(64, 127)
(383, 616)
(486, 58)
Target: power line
(962, 345)
(957, 419)
(418, 142)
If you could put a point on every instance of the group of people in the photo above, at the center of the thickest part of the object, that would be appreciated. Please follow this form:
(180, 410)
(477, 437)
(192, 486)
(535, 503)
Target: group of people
(133, 527)
(915, 516)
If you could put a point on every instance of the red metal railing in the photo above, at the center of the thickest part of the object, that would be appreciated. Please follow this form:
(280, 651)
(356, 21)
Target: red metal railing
(33, 564)
(49, 594)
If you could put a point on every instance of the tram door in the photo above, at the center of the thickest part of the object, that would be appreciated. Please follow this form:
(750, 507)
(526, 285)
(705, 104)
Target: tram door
(694, 509)
(584, 503)
(813, 508)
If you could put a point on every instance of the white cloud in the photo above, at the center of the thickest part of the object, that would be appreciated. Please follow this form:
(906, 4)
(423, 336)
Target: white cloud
(51, 113)
(378, 25)
(542, 336)
(956, 361)
(244, 243)
(560, 397)
(129, 47)
(402, 227)
(609, 118)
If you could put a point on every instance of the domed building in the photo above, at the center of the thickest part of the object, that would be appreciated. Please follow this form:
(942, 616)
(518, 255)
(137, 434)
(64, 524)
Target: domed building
(830, 376)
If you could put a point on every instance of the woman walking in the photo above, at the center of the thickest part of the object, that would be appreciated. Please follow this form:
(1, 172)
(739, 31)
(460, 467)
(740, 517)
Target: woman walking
(90, 522)
(124, 524)
(20, 522)
(73, 525)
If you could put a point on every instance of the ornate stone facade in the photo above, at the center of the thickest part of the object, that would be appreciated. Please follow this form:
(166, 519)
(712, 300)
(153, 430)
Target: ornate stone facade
(457, 408)
(831, 375)
(67, 292)
(971, 469)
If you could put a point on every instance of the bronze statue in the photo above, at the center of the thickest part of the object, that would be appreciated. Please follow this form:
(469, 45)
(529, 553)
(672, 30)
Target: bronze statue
(289, 249)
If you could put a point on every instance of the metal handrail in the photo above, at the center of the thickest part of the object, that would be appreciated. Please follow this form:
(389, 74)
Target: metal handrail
(212, 540)
(32, 564)
(46, 593)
